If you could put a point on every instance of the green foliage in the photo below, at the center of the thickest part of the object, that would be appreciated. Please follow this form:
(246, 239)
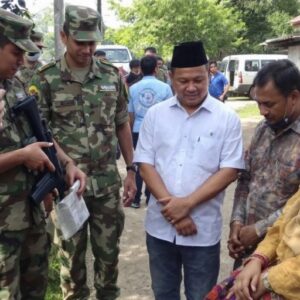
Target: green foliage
(44, 23)
(53, 290)
(17, 7)
(164, 23)
(264, 19)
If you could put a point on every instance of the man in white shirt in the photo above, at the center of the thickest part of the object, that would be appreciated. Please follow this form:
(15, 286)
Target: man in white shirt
(189, 151)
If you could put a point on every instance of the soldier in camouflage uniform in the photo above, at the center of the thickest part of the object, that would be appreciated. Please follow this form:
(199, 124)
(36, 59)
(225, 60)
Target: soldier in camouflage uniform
(86, 105)
(24, 244)
(31, 61)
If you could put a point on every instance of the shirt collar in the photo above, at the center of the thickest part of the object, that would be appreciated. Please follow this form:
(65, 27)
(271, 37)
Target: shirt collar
(66, 72)
(207, 104)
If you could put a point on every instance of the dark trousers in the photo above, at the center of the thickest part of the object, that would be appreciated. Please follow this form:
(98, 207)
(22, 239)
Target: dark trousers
(138, 178)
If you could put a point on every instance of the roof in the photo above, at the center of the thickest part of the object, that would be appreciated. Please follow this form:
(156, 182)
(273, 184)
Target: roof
(284, 41)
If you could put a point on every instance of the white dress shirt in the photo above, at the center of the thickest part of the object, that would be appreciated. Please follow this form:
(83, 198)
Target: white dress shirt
(186, 150)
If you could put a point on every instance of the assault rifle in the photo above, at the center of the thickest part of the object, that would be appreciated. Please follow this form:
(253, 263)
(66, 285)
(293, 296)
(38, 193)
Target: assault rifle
(46, 181)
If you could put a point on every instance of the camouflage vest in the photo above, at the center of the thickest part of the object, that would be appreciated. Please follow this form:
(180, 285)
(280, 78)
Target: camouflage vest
(16, 212)
(83, 118)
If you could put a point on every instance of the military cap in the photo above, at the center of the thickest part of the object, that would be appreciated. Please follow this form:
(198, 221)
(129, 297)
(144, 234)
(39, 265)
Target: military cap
(188, 55)
(37, 38)
(83, 23)
(17, 30)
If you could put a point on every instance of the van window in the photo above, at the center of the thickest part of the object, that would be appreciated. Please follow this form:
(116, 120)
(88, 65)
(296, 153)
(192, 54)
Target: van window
(252, 65)
(266, 61)
(117, 55)
(233, 65)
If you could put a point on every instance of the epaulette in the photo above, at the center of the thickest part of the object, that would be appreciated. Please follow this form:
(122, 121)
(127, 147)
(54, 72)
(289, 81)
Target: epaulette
(47, 66)
(107, 63)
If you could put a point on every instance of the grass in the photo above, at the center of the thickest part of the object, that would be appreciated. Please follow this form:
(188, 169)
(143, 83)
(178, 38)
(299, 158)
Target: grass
(53, 290)
(248, 111)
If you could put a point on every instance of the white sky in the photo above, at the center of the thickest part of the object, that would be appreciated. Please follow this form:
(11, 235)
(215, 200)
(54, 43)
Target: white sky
(109, 18)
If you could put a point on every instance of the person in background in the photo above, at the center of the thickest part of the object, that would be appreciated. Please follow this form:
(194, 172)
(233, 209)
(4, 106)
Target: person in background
(24, 243)
(143, 95)
(85, 103)
(264, 187)
(218, 84)
(100, 54)
(161, 73)
(135, 72)
(187, 157)
(32, 60)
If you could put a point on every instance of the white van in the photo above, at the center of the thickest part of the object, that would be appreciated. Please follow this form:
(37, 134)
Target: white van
(240, 70)
(119, 56)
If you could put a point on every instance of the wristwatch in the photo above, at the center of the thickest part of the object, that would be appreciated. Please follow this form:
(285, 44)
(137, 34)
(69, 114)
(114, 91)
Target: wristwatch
(266, 282)
(133, 168)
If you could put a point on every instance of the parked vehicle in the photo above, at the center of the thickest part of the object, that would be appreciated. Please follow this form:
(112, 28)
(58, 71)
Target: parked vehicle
(240, 70)
(119, 56)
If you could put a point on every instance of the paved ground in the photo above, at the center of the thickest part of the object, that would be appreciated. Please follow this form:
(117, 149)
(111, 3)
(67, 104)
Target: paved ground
(134, 278)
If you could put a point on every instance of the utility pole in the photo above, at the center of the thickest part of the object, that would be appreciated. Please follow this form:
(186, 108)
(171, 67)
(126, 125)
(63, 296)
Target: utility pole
(58, 23)
(101, 25)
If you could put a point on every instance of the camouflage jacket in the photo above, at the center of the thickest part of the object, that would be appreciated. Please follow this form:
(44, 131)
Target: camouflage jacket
(25, 74)
(268, 181)
(16, 212)
(162, 75)
(84, 116)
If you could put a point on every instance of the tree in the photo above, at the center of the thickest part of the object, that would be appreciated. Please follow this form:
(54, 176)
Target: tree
(165, 23)
(17, 7)
(263, 19)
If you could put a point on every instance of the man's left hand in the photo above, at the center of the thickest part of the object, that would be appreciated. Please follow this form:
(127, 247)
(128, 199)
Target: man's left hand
(175, 208)
(72, 174)
(248, 236)
(129, 189)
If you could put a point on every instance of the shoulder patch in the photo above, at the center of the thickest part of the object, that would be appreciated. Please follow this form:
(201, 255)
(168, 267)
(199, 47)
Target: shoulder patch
(47, 66)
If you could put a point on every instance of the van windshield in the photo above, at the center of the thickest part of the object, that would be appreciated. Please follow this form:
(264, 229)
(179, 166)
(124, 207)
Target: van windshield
(117, 55)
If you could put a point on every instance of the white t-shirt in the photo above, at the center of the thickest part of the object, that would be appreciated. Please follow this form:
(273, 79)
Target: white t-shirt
(186, 150)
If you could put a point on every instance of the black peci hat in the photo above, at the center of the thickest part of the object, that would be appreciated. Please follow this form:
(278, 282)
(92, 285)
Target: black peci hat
(188, 55)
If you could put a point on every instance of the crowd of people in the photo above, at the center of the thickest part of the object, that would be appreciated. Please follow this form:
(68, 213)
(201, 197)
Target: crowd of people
(188, 149)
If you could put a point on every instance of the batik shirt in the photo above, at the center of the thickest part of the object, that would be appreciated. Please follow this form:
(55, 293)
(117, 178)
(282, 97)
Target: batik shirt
(270, 178)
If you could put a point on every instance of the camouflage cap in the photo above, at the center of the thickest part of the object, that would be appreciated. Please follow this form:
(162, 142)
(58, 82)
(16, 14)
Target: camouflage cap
(17, 30)
(37, 38)
(83, 23)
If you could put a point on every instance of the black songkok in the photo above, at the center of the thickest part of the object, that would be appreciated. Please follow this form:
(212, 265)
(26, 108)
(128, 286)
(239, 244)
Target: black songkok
(188, 55)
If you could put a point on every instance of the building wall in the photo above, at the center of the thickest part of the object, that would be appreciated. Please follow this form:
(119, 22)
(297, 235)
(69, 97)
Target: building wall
(294, 54)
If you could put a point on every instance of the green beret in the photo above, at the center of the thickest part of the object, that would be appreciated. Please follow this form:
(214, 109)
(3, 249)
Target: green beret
(17, 30)
(83, 23)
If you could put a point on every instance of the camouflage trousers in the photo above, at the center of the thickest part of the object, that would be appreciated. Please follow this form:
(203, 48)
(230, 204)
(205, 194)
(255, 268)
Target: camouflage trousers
(24, 264)
(106, 223)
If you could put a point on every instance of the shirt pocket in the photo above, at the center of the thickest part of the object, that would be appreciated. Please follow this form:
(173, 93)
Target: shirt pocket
(285, 171)
(207, 154)
(67, 115)
(107, 108)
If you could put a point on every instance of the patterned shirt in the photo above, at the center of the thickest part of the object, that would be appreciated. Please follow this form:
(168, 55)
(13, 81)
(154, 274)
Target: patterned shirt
(84, 117)
(266, 185)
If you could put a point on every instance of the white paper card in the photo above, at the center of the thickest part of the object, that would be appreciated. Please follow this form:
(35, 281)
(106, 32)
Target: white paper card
(71, 212)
